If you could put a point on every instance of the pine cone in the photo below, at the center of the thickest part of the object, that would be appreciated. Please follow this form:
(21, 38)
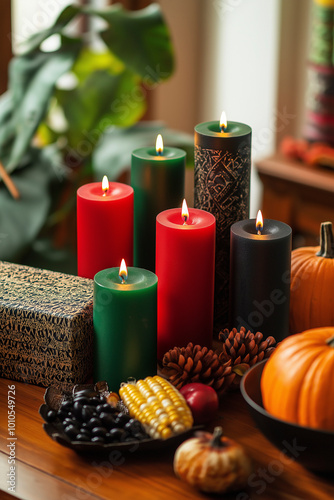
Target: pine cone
(244, 349)
(184, 365)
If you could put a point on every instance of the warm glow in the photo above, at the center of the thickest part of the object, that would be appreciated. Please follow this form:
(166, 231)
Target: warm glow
(123, 271)
(259, 222)
(223, 121)
(105, 184)
(159, 145)
(185, 212)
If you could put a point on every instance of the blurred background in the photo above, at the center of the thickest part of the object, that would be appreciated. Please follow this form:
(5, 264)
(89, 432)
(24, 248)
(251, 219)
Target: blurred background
(247, 57)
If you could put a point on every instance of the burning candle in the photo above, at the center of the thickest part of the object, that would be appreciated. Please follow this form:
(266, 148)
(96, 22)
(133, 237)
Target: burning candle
(260, 276)
(104, 226)
(157, 177)
(185, 253)
(222, 186)
(125, 324)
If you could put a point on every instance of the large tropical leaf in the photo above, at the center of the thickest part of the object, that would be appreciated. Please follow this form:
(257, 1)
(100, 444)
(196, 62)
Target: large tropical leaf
(103, 99)
(7, 128)
(21, 220)
(33, 77)
(64, 18)
(90, 60)
(140, 39)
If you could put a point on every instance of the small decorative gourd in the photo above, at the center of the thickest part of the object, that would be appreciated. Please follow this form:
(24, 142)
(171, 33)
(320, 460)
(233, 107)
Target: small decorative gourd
(212, 463)
(297, 380)
(312, 278)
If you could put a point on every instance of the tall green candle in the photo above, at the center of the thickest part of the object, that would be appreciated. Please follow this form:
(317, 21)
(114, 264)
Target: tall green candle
(125, 324)
(157, 178)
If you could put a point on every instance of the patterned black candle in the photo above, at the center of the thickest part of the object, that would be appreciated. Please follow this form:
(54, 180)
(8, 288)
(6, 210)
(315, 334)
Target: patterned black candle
(222, 185)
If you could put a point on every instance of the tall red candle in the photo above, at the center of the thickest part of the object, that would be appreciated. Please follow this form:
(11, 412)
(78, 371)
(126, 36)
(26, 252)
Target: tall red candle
(185, 256)
(104, 227)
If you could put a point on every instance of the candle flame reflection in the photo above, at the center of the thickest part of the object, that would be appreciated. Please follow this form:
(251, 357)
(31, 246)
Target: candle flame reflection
(159, 145)
(123, 271)
(223, 122)
(185, 212)
(105, 184)
(259, 222)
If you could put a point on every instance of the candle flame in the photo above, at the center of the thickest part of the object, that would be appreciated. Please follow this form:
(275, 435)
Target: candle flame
(259, 222)
(185, 212)
(159, 145)
(223, 121)
(123, 271)
(105, 184)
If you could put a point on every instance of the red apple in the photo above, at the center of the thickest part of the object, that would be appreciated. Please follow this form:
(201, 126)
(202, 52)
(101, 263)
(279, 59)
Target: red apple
(202, 400)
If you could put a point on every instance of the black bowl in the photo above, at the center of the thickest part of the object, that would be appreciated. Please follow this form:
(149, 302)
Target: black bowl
(53, 397)
(312, 448)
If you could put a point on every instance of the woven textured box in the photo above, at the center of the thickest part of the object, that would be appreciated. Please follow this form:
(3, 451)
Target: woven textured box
(46, 326)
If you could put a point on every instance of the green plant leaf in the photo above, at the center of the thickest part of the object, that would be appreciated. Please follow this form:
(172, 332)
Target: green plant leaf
(140, 39)
(90, 60)
(21, 220)
(7, 129)
(64, 18)
(101, 100)
(33, 78)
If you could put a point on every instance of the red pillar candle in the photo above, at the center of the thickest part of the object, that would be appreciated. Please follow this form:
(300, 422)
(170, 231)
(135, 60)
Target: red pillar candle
(104, 226)
(185, 255)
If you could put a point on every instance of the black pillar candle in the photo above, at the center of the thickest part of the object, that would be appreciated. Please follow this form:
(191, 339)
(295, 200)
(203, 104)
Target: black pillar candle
(260, 277)
(222, 185)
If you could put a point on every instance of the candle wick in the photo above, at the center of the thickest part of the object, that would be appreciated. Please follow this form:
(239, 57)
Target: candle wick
(185, 219)
(122, 278)
(259, 230)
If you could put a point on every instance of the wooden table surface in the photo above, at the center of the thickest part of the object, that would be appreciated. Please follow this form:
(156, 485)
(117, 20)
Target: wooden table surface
(47, 471)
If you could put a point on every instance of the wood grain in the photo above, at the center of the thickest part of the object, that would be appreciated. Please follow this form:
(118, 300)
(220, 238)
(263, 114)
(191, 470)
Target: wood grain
(47, 470)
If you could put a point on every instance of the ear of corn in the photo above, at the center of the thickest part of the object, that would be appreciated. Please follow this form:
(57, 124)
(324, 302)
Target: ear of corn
(158, 405)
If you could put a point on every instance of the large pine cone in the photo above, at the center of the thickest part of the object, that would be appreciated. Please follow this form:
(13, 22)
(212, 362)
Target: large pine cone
(244, 349)
(184, 365)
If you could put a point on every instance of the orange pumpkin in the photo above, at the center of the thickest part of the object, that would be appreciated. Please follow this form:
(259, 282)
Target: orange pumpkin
(212, 463)
(312, 278)
(297, 380)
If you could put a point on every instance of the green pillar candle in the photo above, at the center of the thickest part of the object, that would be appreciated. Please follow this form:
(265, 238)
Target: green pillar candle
(157, 178)
(125, 325)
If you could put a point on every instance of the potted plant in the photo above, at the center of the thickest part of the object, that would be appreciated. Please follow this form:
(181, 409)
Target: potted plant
(58, 108)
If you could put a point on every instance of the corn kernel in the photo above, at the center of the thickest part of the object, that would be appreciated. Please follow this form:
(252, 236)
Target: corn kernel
(158, 405)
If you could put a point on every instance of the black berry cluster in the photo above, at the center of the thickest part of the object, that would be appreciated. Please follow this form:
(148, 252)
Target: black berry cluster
(87, 417)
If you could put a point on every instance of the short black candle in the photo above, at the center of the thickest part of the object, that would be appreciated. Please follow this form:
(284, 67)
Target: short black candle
(260, 277)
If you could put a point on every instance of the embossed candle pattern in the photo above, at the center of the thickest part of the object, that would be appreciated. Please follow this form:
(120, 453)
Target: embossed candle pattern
(222, 186)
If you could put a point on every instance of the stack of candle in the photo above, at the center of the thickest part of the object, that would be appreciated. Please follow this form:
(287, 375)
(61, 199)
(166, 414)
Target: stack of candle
(139, 315)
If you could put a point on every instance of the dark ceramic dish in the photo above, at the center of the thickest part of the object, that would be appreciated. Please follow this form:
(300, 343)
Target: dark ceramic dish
(312, 448)
(53, 397)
